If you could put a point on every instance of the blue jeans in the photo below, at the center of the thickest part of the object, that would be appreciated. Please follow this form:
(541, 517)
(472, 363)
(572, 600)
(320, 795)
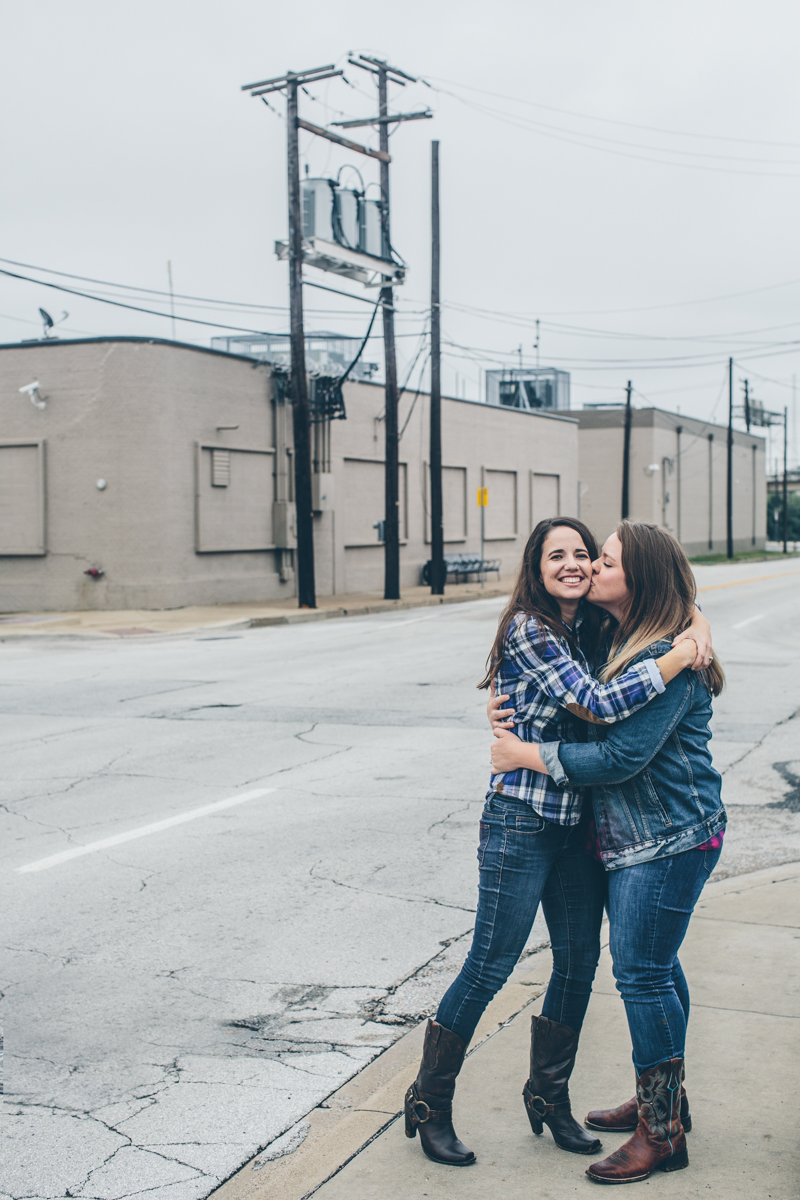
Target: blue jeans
(525, 860)
(649, 906)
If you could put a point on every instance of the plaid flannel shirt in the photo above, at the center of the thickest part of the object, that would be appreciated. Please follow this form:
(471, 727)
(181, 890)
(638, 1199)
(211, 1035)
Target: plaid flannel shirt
(549, 681)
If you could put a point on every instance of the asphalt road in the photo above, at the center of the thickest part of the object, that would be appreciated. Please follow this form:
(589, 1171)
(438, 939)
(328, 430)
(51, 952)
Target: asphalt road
(237, 866)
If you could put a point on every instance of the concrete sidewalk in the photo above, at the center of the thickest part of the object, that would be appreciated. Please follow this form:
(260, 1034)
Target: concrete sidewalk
(224, 617)
(741, 959)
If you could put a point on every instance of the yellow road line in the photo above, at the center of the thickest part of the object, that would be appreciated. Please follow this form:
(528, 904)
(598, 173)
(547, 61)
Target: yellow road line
(756, 579)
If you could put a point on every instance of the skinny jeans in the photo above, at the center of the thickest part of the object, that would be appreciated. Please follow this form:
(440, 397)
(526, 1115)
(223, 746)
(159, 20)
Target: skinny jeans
(649, 908)
(525, 860)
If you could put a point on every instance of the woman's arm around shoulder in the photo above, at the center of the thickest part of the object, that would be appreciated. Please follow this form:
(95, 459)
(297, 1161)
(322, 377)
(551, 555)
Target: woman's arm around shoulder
(543, 659)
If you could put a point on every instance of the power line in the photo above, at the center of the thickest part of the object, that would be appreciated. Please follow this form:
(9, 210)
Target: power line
(148, 291)
(607, 312)
(573, 137)
(132, 307)
(611, 120)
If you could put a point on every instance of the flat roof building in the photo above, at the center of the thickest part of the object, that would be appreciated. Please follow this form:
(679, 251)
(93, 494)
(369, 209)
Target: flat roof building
(144, 473)
(678, 477)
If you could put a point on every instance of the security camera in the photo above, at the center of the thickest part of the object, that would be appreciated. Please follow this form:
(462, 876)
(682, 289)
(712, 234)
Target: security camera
(652, 468)
(30, 390)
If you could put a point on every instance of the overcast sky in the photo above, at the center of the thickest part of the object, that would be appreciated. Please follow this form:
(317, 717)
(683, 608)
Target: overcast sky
(627, 171)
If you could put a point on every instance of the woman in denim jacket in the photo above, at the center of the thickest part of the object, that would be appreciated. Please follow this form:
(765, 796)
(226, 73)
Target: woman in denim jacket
(531, 844)
(660, 823)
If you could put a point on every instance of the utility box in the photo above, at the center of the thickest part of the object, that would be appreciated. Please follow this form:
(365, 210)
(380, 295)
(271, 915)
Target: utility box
(322, 492)
(284, 525)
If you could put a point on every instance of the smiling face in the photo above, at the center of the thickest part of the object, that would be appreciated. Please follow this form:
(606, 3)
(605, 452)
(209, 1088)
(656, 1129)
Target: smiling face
(609, 588)
(566, 568)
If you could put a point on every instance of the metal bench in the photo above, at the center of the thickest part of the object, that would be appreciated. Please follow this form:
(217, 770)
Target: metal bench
(464, 565)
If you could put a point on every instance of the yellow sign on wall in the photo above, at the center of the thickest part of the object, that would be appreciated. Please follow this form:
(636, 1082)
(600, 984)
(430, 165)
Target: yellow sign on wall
(483, 497)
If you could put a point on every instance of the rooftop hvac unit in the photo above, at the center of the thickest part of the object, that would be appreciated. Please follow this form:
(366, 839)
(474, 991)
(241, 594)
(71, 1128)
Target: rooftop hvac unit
(528, 388)
(327, 353)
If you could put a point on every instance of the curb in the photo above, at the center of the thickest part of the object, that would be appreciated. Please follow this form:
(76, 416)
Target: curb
(362, 610)
(298, 617)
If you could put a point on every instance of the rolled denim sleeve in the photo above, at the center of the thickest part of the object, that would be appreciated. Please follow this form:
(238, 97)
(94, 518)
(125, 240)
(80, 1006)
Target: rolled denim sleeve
(549, 753)
(629, 746)
(655, 675)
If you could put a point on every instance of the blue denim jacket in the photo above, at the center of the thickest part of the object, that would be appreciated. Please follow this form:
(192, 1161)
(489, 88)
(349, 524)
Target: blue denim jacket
(655, 790)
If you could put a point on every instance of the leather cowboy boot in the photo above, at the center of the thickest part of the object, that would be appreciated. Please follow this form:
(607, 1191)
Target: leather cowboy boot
(429, 1100)
(546, 1094)
(658, 1143)
(626, 1117)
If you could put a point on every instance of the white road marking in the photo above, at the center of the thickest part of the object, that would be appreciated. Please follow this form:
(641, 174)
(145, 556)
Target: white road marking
(749, 621)
(143, 831)
(410, 621)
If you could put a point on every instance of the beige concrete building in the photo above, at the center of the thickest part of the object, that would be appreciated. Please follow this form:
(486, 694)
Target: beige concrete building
(678, 477)
(166, 470)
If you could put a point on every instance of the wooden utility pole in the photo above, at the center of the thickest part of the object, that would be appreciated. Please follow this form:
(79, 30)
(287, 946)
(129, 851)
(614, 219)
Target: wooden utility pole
(306, 590)
(747, 420)
(437, 514)
(729, 497)
(391, 548)
(289, 83)
(626, 454)
(302, 432)
(385, 72)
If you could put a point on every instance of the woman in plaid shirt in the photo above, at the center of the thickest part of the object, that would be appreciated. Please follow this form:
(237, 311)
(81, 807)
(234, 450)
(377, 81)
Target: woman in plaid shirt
(532, 841)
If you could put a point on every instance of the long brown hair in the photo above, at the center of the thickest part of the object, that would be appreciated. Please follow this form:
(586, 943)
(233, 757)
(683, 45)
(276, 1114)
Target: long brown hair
(662, 597)
(531, 598)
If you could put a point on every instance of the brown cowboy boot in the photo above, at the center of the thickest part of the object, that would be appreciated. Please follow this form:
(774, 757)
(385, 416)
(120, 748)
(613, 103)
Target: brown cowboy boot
(658, 1143)
(546, 1094)
(429, 1100)
(626, 1117)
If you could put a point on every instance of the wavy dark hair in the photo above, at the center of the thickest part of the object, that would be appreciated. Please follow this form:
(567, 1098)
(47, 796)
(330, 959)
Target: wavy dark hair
(532, 599)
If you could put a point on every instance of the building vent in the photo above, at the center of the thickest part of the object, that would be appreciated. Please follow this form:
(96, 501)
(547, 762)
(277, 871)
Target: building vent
(220, 468)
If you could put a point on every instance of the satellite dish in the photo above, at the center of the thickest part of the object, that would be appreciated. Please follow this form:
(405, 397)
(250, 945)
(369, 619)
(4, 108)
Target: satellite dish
(48, 321)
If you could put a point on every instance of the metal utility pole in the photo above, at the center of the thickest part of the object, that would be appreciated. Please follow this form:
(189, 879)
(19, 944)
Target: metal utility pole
(437, 513)
(711, 493)
(289, 83)
(678, 432)
(626, 454)
(785, 480)
(729, 498)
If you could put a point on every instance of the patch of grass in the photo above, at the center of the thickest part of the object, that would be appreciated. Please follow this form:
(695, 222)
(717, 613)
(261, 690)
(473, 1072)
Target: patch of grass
(707, 560)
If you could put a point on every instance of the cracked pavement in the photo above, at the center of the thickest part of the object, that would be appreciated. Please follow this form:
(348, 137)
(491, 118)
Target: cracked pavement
(177, 1003)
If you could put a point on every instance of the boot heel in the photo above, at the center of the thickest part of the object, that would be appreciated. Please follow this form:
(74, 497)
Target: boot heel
(536, 1123)
(411, 1129)
(534, 1117)
(677, 1162)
